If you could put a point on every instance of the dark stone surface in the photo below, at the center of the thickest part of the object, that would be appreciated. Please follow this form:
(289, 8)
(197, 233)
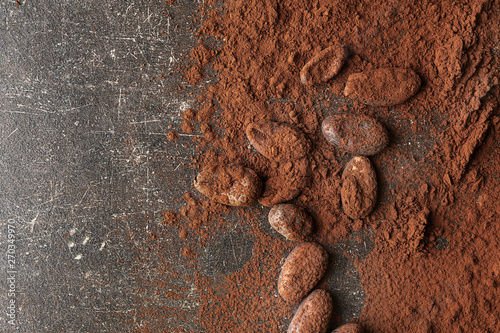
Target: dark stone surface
(86, 170)
(80, 124)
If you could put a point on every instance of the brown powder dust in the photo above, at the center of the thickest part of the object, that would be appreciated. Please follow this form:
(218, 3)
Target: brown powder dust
(434, 266)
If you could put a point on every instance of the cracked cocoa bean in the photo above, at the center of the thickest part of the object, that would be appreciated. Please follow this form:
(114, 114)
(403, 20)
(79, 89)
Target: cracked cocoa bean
(232, 185)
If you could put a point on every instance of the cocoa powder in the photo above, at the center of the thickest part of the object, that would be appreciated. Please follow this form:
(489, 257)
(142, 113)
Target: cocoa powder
(434, 265)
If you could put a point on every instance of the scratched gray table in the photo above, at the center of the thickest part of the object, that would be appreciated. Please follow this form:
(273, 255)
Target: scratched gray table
(86, 167)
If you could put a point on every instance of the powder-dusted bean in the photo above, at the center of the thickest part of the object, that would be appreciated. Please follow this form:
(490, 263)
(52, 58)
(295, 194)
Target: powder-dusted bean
(278, 141)
(383, 87)
(355, 134)
(291, 221)
(303, 269)
(359, 188)
(349, 328)
(313, 314)
(232, 185)
(324, 65)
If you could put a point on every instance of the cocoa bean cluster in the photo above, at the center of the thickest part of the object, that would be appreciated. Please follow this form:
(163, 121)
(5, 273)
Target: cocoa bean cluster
(357, 135)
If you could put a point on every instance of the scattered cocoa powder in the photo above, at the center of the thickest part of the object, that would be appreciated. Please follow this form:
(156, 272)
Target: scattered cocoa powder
(194, 74)
(172, 136)
(434, 266)
(183, 233)
(188, 252)
(170, 217)
(189, 114)
(187, 127)
(286, 183)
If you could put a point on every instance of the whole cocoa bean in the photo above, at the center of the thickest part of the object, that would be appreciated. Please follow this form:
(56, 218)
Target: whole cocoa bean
(303, 269)
(313, 314)
(355, 134)
(359, 188)
(278, 141)
(232, 185)
(383, 86)
(349, 328)
(291, 222)
(324, 65)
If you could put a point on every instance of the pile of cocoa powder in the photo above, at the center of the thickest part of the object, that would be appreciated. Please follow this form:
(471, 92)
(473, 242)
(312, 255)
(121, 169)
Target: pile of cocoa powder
(435, 264)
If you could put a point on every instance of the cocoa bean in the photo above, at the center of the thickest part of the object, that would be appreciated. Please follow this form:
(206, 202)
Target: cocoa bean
(383, 86)
(313, 314)
(291, 222)
(232, 185)
(359, 188)
(303, 269)
(355, 134)
(324, 65)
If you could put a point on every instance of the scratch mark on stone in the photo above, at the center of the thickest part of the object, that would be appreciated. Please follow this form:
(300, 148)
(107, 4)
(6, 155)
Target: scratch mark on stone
(83, 196)
(145, 121)
(21, 112)
(120, 99)
(33, 222)
(168, 29)
(171, 59)
(76, 108)
(128, 8)
(177, 167)
(126, 38)
(49, 201)
(148, 19)
(183, 134)
(232, 246)
(14, 131)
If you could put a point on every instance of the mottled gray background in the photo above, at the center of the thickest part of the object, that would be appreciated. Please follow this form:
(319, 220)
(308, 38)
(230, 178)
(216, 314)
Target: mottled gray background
(86, 169)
